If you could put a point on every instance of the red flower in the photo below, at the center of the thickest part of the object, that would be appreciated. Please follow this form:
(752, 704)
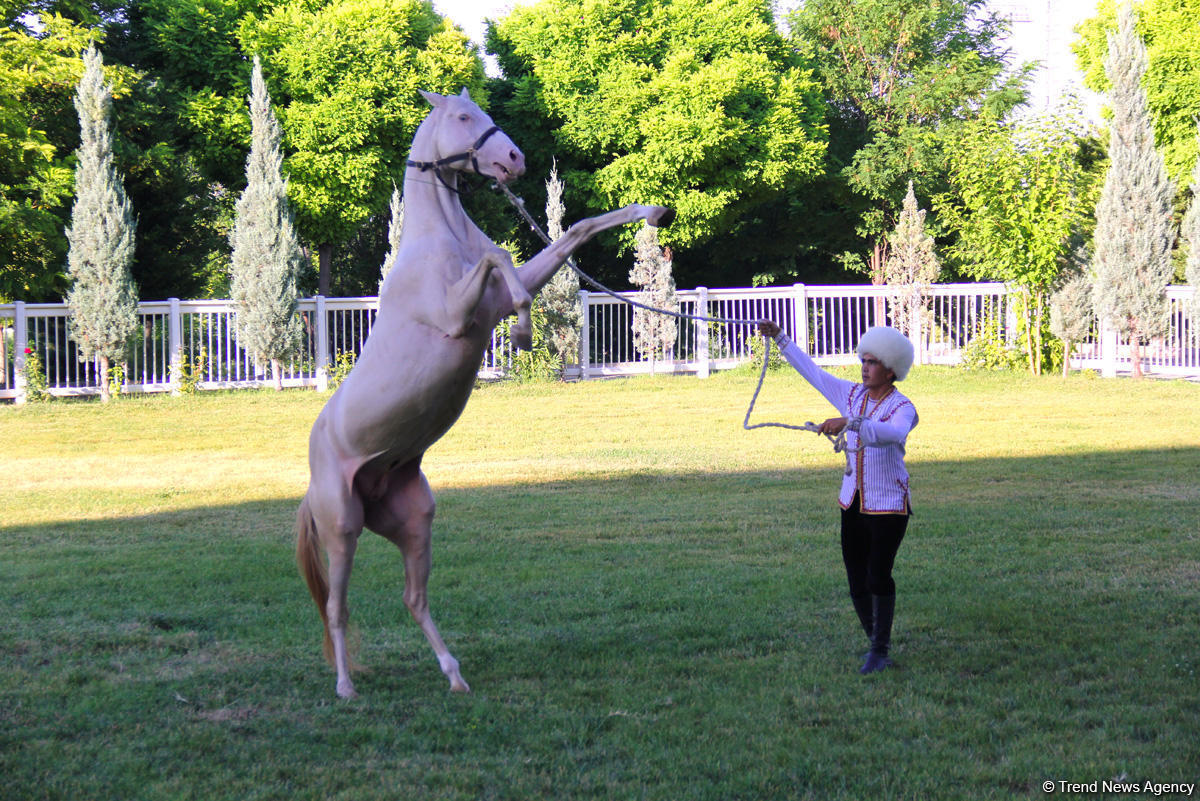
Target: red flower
(28, 351)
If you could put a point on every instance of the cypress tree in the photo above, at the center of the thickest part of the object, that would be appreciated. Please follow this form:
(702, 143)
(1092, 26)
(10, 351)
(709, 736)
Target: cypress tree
(560, 296)
(267, 258)
(1071, 307)
(102, 298)
(911, 264)
(653, 334)
(1133, 219)
(395, 228)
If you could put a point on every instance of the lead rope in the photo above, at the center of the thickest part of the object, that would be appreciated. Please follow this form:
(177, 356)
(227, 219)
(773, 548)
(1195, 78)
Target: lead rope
(838, 440)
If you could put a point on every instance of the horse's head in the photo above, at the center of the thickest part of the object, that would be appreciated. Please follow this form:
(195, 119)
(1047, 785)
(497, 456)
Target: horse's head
(464, 137)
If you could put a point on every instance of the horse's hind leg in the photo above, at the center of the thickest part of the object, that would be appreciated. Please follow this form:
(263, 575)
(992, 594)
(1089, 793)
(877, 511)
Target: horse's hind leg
(405, 517)
(338, 516)
(341, 559)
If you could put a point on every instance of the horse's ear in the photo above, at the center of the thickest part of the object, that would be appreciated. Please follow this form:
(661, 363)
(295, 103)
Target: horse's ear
(465, 95)
(434, 98)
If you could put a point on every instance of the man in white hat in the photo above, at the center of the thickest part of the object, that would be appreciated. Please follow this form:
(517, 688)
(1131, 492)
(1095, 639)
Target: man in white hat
(874, 494)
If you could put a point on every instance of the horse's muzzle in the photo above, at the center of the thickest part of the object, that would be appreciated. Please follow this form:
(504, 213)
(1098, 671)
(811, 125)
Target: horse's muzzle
(510, 166)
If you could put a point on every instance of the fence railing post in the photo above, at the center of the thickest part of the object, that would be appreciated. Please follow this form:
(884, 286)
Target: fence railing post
(916, 335)
(20, 342)
(585, 344)
(321, 346)
(800, 315)
(1108, 350)
(175, 344)
(703, 364)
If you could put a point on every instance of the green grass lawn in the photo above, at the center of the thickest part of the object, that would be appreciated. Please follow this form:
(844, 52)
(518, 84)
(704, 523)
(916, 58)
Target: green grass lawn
(647, 601)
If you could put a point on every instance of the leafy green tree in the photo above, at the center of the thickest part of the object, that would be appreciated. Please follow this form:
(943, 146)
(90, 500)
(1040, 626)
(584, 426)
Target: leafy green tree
(266, 253)
(343, 77)
(695, 104)
(1171, 31)
(1134, 230)
(184, 193)
(87, 13)
(38, 73)
(199, 82)
(178, 211)
(902, 78)
(346, 74)
(102, 298)
(1019, 195)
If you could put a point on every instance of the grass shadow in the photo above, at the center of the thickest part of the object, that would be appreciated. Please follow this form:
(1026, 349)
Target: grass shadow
(653, 635)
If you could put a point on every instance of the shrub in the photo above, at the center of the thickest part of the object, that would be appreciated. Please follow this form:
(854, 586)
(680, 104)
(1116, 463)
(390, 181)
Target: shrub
(116, 378)
(758, 346)
(541, 363)
(191, 373)
(987, 350)
(343, 363)
(36, 386)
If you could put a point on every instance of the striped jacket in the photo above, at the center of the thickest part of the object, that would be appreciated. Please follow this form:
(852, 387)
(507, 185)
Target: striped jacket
(876, 472)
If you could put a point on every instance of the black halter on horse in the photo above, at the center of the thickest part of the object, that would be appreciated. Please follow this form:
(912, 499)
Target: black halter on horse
(469, 153)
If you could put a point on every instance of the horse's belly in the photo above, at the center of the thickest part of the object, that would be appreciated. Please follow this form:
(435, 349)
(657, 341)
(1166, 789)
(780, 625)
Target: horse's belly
(399, 401)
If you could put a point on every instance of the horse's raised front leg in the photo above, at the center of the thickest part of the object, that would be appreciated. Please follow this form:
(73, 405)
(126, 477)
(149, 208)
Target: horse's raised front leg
(541, 268)
(463, 297)
(404, 515)
(522, 330)
(453, 311)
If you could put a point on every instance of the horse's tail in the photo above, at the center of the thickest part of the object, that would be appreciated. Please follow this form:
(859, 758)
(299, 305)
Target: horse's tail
(312, 567)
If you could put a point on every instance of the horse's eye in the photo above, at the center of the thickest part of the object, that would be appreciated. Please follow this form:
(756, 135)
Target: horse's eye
(464, 117)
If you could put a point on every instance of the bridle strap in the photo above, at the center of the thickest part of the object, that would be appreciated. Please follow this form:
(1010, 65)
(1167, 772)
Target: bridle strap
(468, 154)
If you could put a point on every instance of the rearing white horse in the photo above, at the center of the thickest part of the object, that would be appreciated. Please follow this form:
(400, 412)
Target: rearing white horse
(448, 288)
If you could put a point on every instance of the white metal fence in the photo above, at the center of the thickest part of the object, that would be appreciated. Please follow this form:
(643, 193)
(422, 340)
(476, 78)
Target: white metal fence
(198, 339)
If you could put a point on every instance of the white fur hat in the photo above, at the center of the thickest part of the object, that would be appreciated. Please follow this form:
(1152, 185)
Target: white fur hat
(890, 347)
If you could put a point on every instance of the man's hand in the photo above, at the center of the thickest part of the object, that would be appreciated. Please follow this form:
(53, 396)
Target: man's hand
(768, 329)
(833, 426)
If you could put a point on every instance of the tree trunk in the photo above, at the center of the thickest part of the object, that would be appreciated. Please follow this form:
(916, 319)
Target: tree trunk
(878, 258)
(277, 374)
(1037, 339)
(1135, 340)
(875, 266)
(105, 394)
(1066, 357)
(1029, 335)
(324, 268)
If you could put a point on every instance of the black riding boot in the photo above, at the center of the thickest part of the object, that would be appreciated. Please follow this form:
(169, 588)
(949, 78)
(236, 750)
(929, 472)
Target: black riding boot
(864, 606)
(884, 608)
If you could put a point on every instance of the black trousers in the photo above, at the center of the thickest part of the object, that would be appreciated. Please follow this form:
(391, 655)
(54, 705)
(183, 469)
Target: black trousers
(869, 546)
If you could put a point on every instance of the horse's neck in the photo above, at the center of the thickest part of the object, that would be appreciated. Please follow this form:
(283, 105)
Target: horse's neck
(429, 204)
(432, 206)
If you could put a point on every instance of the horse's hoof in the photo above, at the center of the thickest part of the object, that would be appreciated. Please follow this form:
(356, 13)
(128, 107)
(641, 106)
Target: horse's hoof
(522, 336)
(663, 217)
(346, 690)
(449, 666)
